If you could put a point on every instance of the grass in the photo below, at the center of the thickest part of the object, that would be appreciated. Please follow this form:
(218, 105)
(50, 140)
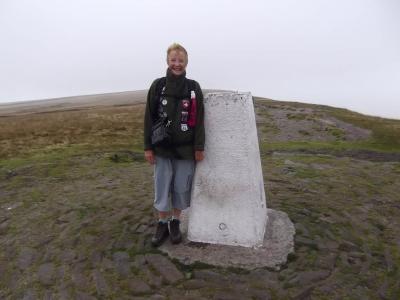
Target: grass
(385, 132)
(57, 135)
(90, 129)
(304, 132)
(101, 145)
(335, 146)
(336, 132)
(36, 195)
(307, 173)
(298, 117)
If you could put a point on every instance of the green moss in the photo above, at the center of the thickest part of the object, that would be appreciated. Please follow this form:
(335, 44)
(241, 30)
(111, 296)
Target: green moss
(396, 168)
(58, 170)
(306, 173)
(13, 163)
(297, 117)
(393, 291)
(16, 182)
(87, 209)
(385, 132)
(317, 159)
(36, 195)
(336, 132)
(304, 132)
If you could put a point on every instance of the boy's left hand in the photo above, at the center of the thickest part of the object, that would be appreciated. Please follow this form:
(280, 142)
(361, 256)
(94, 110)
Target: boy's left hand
(199, 155)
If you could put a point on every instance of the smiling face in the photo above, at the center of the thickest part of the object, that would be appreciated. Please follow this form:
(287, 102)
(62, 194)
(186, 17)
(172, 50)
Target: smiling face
(177, 62)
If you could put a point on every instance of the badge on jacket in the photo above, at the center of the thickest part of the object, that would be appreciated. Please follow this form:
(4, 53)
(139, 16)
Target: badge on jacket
(185, 104)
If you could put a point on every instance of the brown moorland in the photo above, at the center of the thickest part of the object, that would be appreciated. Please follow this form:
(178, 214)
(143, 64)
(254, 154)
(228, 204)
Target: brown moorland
(76, 213)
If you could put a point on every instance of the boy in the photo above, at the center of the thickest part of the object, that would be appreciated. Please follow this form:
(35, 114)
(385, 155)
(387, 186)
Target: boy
(178, 103)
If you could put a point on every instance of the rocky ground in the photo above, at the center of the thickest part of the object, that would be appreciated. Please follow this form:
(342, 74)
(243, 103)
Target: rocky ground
(78, 225)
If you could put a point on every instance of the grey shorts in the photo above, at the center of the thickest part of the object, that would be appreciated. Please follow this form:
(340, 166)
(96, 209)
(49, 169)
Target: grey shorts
(172, 183)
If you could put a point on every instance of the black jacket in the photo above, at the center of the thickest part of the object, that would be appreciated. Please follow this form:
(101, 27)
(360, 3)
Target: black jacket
(184, 143)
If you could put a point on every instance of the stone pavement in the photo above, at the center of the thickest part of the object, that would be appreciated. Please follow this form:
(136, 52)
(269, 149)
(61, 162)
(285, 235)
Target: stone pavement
(278, 243)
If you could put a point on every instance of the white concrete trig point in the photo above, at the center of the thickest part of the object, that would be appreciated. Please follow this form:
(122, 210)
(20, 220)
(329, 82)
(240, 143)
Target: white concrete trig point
(228, 207)
(228, 200)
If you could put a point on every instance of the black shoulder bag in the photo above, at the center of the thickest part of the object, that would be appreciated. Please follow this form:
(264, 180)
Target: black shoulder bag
(160, 134)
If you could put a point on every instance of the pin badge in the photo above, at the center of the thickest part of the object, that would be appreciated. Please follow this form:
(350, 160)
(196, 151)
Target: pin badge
(184, 116)
(184, 127)
(185, 104)
(164, 102)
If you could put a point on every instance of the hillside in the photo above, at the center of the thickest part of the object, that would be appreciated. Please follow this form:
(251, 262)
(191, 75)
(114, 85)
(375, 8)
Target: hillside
(76, 213)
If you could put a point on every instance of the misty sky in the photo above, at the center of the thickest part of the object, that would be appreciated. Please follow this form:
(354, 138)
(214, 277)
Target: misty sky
(343, 53)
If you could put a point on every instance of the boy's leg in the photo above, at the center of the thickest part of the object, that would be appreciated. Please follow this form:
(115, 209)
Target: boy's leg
(162, 215)
(180, 194)
(176, 213)
(163, 174)
(181, 184)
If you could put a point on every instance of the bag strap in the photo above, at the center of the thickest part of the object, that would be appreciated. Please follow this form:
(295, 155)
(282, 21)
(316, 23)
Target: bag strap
(159, 87)
(161, 84)
(192, 85)
(156, 98)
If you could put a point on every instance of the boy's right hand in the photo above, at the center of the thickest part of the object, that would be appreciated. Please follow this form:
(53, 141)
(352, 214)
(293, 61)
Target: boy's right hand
(149, 156)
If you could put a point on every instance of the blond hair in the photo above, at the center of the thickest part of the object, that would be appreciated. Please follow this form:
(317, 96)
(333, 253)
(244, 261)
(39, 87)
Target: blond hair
(177, 47)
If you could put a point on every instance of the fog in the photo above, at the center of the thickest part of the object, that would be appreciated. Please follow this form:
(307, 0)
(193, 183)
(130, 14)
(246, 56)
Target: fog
(343, 53)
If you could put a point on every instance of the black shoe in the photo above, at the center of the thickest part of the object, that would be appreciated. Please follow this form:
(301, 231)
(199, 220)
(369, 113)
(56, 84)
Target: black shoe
(160, 235)
(175, 233)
